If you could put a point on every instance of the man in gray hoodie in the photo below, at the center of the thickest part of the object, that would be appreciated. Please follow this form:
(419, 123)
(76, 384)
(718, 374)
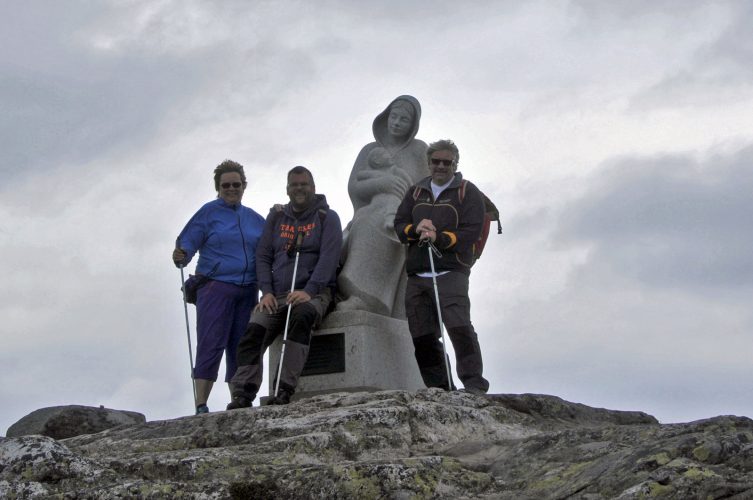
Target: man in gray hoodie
(306, 226)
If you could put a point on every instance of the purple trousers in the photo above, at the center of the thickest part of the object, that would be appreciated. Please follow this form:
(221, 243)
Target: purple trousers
(222, 314)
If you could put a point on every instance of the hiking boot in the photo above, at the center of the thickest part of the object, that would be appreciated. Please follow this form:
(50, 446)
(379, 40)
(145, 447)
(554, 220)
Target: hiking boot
(239, 402)
(474, 390)
(282, 398)
(202, 409)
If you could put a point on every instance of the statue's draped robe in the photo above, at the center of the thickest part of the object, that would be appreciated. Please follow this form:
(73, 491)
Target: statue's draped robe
(373, 273)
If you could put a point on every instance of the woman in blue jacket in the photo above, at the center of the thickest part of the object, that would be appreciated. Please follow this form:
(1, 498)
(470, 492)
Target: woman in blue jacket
(225, 233)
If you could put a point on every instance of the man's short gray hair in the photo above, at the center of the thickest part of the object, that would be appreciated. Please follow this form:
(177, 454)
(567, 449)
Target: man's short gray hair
(443, 145)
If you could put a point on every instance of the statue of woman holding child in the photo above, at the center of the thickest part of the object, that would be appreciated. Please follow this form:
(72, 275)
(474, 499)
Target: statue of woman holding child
(373, 276)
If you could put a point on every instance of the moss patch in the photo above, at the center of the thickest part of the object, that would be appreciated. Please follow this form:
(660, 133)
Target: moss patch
(357, 485)
(697, 474)
(701, 453)
(658, 490)
(564, 476)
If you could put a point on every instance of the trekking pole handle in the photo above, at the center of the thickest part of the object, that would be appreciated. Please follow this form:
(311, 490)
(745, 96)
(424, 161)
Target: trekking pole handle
(432, 247)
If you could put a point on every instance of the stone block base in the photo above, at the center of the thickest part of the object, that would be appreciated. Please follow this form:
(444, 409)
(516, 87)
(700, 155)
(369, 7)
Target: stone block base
(377, 351)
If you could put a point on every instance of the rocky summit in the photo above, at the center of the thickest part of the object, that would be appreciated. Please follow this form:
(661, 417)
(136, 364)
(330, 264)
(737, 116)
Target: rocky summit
(393, 445)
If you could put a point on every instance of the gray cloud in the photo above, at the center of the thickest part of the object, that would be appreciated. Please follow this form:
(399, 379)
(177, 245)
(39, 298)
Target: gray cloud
(632, 292)
(599, 13)
(730, 56)
(720, 70)
(670, 221)
(93, 88)
(61, 119)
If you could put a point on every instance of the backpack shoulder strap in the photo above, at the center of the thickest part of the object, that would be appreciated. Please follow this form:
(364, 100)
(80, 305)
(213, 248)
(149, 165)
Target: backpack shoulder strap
(278, 210)
(461, 190)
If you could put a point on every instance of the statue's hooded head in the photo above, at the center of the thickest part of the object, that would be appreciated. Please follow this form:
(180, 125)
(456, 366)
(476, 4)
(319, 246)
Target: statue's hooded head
(398, 124)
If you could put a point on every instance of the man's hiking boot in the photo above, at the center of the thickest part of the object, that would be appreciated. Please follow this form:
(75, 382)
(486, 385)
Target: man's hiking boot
(474, 390)
(202, 409)
(239, 402)
(282, 398)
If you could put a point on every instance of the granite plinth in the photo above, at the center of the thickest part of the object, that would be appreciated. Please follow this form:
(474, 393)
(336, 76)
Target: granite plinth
(378, 355)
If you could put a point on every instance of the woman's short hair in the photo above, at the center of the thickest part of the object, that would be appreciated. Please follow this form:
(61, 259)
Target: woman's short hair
(225, 167)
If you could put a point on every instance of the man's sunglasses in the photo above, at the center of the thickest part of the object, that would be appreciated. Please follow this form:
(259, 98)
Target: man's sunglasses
(437, 161)
(226, 185)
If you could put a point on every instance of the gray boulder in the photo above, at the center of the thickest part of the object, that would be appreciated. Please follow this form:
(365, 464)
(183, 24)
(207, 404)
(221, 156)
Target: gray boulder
(60, 422)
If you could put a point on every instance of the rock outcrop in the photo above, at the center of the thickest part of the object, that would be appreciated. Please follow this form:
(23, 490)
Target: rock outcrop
(393, 444)
(60, 422)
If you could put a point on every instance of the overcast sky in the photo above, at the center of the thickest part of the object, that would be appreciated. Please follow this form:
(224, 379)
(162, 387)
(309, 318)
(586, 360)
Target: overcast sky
(615, 137)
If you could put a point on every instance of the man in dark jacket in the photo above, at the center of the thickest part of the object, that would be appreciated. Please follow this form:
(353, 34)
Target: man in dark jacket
(308, 227)
(448, 212)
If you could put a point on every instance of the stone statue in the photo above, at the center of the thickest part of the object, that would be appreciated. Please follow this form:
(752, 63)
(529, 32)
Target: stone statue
(372, 277)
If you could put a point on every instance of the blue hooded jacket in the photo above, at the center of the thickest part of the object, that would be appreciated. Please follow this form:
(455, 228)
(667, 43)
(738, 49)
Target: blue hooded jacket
(225, 237)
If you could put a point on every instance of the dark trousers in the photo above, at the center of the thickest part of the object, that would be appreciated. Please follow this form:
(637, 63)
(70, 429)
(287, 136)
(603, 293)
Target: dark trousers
(262, 331)
(423, 322)
(222, 313)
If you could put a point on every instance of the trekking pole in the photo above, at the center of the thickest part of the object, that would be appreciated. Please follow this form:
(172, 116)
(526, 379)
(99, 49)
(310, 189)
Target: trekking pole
(431, 249)
(188, 331)
(298, 242)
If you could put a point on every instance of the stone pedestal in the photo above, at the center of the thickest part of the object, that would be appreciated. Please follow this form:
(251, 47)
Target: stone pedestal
(355, 351)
